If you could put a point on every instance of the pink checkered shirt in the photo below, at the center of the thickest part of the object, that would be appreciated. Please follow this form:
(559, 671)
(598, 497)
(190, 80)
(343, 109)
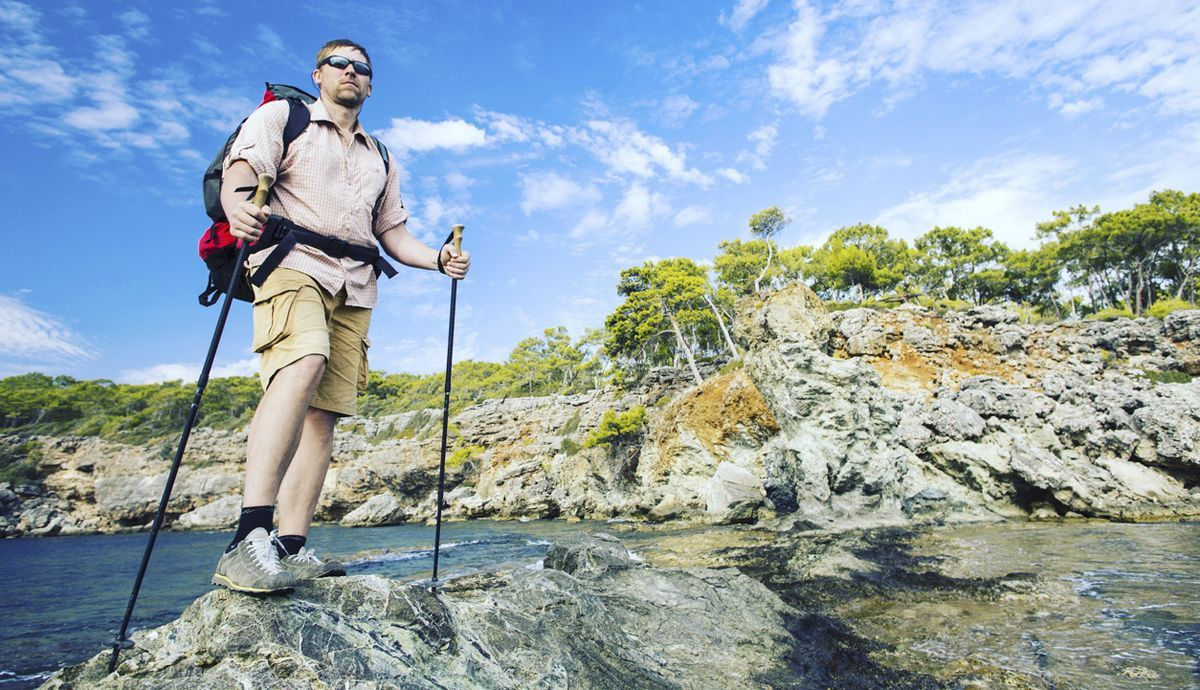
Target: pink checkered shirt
(327, 184)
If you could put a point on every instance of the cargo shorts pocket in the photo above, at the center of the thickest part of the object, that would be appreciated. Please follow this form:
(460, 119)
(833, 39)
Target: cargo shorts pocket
(272, 318)
(364, 369)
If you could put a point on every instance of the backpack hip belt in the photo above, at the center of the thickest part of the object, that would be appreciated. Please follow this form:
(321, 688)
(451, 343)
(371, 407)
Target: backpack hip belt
(283, 234)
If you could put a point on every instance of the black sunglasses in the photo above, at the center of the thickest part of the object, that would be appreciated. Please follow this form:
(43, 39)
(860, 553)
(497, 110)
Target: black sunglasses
(339, 62)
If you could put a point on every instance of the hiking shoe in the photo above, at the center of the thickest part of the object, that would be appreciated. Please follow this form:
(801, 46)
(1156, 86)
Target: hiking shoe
(306, 566)
(253, 567)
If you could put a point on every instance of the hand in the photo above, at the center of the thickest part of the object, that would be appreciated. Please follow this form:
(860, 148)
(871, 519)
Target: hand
(455, 265)
(246, 221)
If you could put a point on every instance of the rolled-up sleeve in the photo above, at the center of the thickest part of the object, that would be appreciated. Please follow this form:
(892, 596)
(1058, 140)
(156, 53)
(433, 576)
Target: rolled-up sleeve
(391, 213)
(260, 143)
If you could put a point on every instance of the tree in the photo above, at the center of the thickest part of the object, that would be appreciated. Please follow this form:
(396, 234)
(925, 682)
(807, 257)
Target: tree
(1031, 276)
(948, 257)
(664, 315)
(859, 259)
(764, 225)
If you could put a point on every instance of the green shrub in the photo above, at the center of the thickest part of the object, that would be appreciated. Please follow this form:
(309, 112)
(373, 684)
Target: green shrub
(571, 425)
(1167, 376)
(1110, 313)
(618, 429)
(569, 447)
(21, 463)
(463, 455)
(732, 365)
(1163, 307)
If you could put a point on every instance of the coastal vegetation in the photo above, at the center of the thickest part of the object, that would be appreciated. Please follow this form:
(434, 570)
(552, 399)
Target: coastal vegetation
(1140, 261)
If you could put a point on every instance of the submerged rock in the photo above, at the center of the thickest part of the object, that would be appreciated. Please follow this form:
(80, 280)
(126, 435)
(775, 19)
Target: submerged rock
(592, 618)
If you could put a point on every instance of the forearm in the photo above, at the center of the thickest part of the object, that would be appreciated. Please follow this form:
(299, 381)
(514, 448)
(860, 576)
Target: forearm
(238, 176)
(408, 250)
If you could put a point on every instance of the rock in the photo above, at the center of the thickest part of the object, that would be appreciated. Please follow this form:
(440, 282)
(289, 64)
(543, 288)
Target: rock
(635, 627)
(588, 556)
(731, 485)
(954, 420)
(863, 333)
(991, 397)
(220, 514)
(1183, 325)
(380, 509)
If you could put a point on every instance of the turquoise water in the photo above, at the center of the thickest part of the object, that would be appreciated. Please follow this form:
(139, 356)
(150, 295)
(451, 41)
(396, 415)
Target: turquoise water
(63, 598)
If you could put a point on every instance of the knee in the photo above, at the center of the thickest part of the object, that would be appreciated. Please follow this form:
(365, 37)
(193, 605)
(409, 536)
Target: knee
(305, 371)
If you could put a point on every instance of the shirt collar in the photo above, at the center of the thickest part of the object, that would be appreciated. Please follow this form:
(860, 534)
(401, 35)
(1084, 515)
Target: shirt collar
(317, 112)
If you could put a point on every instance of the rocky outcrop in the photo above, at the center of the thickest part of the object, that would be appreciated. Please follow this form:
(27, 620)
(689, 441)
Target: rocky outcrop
(592, 618)
(852, 417)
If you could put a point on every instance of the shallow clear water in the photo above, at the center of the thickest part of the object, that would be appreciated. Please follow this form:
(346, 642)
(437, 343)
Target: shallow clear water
(63, 598)
(1115, 606)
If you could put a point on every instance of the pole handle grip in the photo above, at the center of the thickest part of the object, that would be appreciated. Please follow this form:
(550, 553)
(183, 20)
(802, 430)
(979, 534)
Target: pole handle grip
(457, 231)
(264, 187)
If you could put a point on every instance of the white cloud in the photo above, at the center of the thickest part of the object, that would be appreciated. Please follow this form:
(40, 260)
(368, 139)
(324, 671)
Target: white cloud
(1070, 49)
(548, 191)
(1006, 194)
(188, 373)
(268, 42)
(137, 24)
(593, 222)
(743, 12)
(732, 175)
(626, 150)
(691, 216)
(426, 356)
(675, 110)
(639, 207)
(763, 139)
(458, 181)
(407, 134)
(31, 337)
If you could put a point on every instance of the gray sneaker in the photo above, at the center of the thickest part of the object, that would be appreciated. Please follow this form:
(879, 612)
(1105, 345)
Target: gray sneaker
(253, 567)
(305, 565)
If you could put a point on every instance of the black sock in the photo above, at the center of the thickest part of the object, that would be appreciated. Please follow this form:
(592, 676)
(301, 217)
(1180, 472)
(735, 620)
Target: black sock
(251, 518)
(290, 544)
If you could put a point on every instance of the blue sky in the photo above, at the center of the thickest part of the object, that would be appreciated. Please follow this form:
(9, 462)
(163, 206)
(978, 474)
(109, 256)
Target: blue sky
(573, 139)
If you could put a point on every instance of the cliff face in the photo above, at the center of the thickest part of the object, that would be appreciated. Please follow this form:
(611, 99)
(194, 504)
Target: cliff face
(856, 417)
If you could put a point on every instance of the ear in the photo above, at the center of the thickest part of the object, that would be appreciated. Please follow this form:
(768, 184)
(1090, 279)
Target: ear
(316, 73)
(368, 89)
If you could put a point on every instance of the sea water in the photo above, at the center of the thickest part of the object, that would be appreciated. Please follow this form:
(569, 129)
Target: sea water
(1126, 613)
(62, 599)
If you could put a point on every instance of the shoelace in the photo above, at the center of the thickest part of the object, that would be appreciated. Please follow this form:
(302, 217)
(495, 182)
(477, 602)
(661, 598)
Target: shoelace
(307, 555)
(261, 551)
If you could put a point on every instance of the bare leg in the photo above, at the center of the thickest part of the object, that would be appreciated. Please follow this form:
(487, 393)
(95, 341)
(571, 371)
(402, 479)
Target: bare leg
(276, 428)
(306, 475)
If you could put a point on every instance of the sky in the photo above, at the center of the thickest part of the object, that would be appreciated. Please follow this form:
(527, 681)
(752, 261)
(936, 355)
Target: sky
(572, 139)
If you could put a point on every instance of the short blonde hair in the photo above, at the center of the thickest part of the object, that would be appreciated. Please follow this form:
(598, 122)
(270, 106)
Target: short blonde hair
(327, 49)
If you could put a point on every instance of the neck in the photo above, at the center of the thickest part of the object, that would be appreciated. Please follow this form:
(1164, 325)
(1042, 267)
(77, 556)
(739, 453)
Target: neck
(342, 116)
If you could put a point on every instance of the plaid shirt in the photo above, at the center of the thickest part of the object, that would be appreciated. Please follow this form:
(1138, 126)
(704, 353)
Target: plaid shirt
(328, 184)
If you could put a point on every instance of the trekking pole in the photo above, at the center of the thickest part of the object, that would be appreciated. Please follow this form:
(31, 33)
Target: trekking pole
(260, 200)
(457, 231)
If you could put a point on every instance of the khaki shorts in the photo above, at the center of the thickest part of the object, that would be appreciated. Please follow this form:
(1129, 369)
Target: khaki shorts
(294, 317)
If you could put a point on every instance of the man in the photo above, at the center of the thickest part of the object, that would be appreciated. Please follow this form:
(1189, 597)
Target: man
(312, 313)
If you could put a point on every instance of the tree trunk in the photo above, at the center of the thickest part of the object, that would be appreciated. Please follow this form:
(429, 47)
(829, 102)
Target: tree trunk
(770, 254)
(682, 345)
(721, 322)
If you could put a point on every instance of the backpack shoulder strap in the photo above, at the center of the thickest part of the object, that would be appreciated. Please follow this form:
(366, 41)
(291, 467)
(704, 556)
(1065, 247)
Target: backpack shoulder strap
(383, 153)
(297, 122)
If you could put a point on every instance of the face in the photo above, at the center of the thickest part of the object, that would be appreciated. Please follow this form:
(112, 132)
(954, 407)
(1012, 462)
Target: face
(343, 86)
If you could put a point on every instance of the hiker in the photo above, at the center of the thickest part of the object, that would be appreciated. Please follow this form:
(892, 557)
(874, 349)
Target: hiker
(312, 313)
